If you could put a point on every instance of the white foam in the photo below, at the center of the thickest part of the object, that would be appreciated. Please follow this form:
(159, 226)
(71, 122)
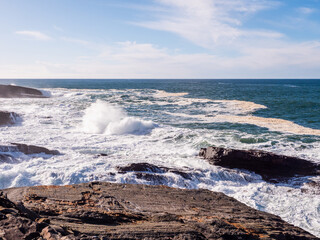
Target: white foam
(46, 93)
(273, 124)
(163, 94)
(102, 117)
(168, 146)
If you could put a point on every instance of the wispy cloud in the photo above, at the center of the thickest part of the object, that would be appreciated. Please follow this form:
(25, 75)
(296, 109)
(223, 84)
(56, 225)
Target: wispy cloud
(306, 10)
(58, 28)
(34, 34)
(209, 22)
(143, 60)
(75, 40)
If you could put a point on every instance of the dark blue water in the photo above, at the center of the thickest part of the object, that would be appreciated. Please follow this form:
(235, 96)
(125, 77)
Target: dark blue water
(294, 100)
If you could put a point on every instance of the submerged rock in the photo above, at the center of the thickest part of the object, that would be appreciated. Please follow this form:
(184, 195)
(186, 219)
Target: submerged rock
(269, 165)
(11, 91)
(122, 211)
(8, 118)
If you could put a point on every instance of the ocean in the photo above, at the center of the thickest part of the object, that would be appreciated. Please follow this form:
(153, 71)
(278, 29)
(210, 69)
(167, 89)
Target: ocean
(165, 123)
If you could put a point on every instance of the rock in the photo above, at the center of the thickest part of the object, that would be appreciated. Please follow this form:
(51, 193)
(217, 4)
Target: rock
(151, 173)
(268, 165)
(13, 224)
(122, 211)
(141, 167)
(7, 156)
(8, 118)
(11, 91)
(102, 155)
(31, 149)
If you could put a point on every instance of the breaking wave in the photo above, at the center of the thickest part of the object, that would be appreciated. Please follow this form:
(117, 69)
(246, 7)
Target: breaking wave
(104, 118)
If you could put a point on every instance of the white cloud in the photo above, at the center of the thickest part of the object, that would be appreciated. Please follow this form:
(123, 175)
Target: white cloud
(34, 34)
(75, 40)
(209, 22)
(233, 51)
(306, 11)
(134, 60)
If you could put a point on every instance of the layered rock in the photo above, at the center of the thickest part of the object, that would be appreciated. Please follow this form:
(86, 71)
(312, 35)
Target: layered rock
(8, 118)
(122, 211)
(268, 165)
(11, 91)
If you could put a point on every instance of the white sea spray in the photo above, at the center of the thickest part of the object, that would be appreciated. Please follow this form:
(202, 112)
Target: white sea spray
(81, 124)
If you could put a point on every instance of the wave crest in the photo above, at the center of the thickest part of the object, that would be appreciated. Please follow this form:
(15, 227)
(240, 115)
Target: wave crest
(104, 118)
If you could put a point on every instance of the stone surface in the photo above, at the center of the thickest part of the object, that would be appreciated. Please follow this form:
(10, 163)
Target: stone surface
(269, 165)
(8, 118)
(151, 173)
(122, 211)
(7, 156)
(11, 91)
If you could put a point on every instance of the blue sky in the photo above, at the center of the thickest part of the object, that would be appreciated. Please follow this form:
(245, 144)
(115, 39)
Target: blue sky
(160, 39)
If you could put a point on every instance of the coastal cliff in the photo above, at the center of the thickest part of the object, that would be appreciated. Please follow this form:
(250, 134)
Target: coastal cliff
(100, 210)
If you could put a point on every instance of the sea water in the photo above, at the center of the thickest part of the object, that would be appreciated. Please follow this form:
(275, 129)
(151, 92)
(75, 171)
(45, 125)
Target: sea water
(165, 123)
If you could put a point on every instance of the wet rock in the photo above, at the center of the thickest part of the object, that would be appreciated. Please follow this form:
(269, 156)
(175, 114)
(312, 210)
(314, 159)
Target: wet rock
(150, 172)
(7, 152)
(269, 165)
(122, 211)
(140, 167)
(102, 155)
(8, 118)
(7, 158)
(11, 91)
(31, 149)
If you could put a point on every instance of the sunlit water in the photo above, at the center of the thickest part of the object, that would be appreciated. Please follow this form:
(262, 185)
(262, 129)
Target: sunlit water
(165, 123)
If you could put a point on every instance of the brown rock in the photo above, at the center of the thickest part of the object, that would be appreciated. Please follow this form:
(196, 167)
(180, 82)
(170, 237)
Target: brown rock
(123, 211)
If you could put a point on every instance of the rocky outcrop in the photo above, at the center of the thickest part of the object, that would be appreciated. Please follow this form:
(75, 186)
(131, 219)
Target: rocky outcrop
(11, 91)
(269, 165)
(31, 149)
(8, 118)
(7, 156)
(152, 173)
(122, 211)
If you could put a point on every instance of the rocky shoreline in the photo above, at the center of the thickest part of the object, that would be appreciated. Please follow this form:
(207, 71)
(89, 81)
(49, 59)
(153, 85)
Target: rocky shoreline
(100, 210)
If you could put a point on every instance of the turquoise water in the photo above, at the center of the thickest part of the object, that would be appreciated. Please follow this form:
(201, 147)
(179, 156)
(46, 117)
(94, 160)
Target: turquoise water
(294, 100)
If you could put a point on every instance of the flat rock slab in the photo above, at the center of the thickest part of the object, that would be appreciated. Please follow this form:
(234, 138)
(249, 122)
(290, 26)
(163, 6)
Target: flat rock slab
(269, 165)
(100, 210)
(11, 91)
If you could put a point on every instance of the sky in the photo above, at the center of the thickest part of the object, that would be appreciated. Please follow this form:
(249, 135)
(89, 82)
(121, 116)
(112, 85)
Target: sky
(160, 39)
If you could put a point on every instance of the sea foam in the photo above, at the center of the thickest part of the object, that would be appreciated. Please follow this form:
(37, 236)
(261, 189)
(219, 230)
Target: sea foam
(104, 118)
